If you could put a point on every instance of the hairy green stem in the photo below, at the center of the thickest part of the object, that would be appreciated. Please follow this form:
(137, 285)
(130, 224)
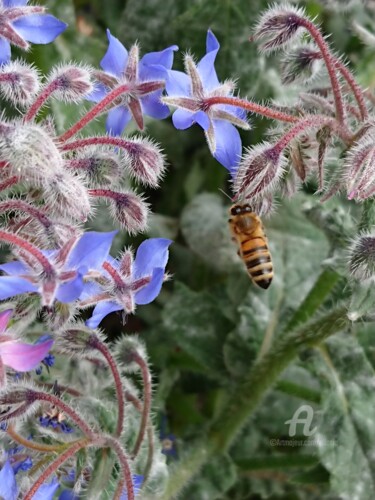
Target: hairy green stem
(246, 397)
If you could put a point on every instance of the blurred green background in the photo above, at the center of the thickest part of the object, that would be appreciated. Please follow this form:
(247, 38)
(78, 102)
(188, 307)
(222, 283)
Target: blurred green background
(206, 328)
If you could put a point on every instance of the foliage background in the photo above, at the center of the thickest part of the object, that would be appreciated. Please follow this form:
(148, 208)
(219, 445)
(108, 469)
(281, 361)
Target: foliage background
(208, 325)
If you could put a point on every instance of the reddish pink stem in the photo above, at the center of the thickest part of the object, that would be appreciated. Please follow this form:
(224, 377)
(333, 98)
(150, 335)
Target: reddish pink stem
(251, 106)
(69, 453)
(40, 101)
(310, 121)
(330, 64)
(124, 464)
(146, 401)
(95, 111)
(356, 89)
(29, 248)
(11, 181)
(94, 141)
(66, 409)
(25, 207)
(117, 378)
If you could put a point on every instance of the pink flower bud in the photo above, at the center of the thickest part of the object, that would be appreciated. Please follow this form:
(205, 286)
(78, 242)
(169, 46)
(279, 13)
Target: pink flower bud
(130, 210)
(19, 82)
(71, 82)
(146, 161)
(259, 171)
(359, 169)
(278, 27)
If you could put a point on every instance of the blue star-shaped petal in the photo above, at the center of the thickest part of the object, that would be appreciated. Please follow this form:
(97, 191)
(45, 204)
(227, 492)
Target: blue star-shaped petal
(127, 283)
(145, 77)
(70, 264)
(187, 92)
(21, 23)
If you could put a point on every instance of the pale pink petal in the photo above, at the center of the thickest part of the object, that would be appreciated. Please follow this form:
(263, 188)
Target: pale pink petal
(23, 357)
(4, 319)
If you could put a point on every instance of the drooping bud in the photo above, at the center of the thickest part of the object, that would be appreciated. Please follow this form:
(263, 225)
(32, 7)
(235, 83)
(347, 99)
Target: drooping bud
(30, 152)
(259, 171)
(301, 64)
(75, 340)
(129, 209)
(71, 82)
(359, 169)
(66, 195)
(146, 161)
(100, 167)
(278, 27)
(18, 400)
(362, 257)
(19, 82)
(128, 350)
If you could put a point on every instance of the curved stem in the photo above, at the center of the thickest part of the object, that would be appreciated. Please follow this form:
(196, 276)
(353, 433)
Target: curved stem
(311, 121)
(70, 452)
(247, 396)
(124, 464)
(330, 65)
(27, 443)
(258, 109)
(356, 89)
(66, 409)
(146, 401)
(40, 101)
(118, 383)
(95, 111)
(29, 248)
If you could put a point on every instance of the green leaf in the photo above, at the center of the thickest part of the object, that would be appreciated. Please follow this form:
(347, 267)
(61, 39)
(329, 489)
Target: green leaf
(215, 479)
(195, 322)
(346, 434)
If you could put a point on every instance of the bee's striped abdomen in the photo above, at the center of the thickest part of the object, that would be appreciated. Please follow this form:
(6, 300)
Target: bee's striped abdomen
(247, 230)
(258, 261)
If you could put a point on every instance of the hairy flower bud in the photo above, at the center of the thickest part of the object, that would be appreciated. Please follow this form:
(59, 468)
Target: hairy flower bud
(71, 82)
(75, 340)
(259, 171)
(30, 152)
(128, 350)
(301, 64)
(130, 210)
(19, 82)
(359, 169)
(146, 162)
(278, 27)
(362, 257)
(100, 167)
(66, 195)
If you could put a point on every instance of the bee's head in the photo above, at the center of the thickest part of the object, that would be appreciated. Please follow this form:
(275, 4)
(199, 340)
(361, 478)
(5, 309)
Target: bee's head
(240, 209)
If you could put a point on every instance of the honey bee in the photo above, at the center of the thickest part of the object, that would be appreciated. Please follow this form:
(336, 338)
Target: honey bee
(248, 232)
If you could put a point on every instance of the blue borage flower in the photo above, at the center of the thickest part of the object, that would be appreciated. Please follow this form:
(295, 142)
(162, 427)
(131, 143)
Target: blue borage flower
(71, 263)
(146, 78)
(128, 283)
(20, 24)
(187, 93)
(9, 489)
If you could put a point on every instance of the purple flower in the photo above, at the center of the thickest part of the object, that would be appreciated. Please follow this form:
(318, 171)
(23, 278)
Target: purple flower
(128, 283)
(20, 24)
(69, 265)
(187, 92)
(18, 355)
(146, 77)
